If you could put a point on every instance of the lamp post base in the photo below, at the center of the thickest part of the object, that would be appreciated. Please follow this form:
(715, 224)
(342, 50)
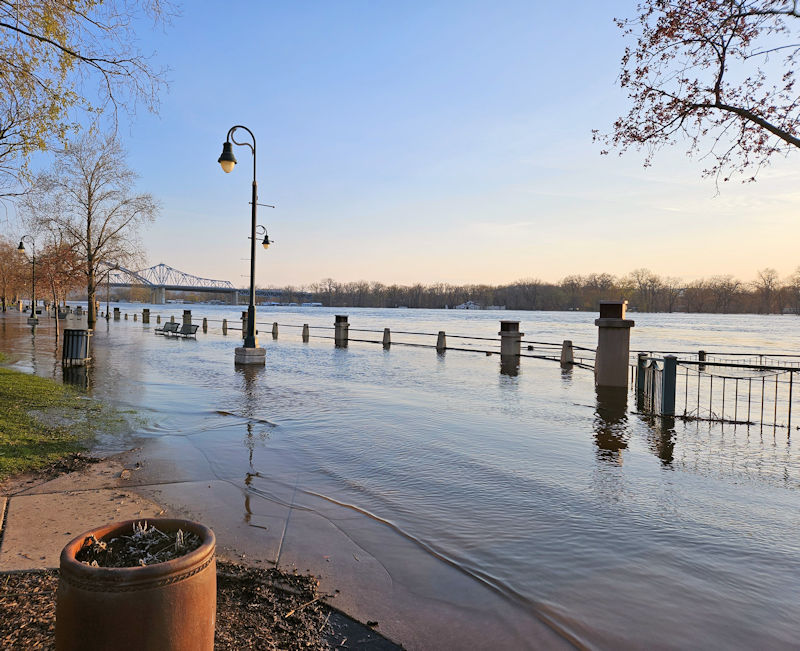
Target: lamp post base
(250, 356)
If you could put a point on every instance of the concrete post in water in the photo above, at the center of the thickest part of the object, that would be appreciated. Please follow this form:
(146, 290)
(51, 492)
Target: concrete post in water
(187, 317)
(224, 326)
(158, 318)
(613, 345)
(135, 316)
(275, 330)
(341, 330)
(567, 355)
(78, 310)
(146, 315)
(510, 338)
(669, 381)
(172, 318)
(205, 324)
(701, 357)
(387, 338)
(126, 316)
(305, 333)
(441, 342)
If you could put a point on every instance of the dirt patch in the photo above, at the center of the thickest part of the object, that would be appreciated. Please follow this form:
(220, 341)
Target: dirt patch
(256, 609)
(69, 463)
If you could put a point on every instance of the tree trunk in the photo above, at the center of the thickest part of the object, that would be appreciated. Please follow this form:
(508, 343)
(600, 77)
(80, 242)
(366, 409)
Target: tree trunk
(91, 290)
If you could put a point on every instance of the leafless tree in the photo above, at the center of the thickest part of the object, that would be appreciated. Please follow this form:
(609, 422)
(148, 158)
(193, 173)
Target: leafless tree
(89, 197)
(719, 74)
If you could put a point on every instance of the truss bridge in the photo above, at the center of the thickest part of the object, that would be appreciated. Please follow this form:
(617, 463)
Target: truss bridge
(162, 278)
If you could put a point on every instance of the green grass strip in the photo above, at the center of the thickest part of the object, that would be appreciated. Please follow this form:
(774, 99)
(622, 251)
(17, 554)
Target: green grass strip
(42, 420)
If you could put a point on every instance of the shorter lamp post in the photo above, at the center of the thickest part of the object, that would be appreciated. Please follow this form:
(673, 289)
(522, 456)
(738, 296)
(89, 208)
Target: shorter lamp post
(21, 248)
(250, 353)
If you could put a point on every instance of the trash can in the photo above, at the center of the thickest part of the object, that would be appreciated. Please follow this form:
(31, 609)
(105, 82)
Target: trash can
(76, 346)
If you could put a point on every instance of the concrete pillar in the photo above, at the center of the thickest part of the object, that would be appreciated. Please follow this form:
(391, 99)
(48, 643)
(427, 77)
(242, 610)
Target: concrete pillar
(613, 345)
(172, 318)
(158, 318)
(187, 317)
(387, 338)
(135, 316)
(159, 296)
(126, 316)
(146, 315)
(224, 326)
(236, 298)
(305, 332)
(567, 355)
(441, 342)
(341, 330)
(205, 324)
(275, 330)
(116, 314)
(510, 338)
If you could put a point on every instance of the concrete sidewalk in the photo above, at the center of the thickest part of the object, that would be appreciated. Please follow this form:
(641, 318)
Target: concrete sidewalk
(417, 599)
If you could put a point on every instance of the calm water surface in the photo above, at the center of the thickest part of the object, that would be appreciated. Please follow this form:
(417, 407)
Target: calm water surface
(557, 496)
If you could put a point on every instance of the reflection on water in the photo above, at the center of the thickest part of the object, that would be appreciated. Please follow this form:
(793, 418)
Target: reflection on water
(516, 477)
(610, 423)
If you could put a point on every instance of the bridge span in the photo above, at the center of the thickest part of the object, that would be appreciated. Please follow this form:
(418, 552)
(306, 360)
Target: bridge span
(162, 278)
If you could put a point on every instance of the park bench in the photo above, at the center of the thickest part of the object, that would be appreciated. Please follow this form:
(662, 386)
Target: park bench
(169, 328)
(187, 330)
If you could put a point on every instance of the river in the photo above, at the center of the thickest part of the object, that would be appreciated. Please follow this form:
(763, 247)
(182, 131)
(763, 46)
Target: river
(571, 507)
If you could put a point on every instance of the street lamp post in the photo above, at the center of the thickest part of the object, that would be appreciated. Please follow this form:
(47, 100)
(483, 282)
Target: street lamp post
(21, 247)
(250, 353)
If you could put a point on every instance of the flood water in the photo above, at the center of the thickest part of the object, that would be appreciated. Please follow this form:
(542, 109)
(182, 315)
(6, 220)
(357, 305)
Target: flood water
(559, 497)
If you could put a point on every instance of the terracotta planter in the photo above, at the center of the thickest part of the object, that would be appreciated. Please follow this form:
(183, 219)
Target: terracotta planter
(168, 606)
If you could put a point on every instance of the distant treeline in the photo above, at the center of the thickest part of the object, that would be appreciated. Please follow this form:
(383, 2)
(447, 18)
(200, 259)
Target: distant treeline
(644, 290)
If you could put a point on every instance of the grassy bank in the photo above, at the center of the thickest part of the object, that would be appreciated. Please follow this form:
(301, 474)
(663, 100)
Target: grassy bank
(42, 420)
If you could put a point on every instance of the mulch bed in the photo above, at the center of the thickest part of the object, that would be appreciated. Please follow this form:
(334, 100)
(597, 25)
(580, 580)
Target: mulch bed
(256, 609)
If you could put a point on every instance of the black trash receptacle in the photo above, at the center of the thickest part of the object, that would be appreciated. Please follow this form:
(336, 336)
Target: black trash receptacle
(76, 346)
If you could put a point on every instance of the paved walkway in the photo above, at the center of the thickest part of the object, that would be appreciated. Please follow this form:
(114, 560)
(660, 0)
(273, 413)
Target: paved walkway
(379, 576)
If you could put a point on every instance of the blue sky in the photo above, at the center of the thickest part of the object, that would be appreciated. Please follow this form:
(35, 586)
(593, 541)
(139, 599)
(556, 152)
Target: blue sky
(428, 141)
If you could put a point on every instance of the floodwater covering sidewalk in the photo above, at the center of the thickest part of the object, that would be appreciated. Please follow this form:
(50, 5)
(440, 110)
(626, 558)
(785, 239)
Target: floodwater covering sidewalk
(454, 504)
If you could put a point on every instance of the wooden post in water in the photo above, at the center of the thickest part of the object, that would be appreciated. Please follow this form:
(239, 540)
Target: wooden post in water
(441, 342)
(224, 326)
(126, 316)
(305, 333)
(158, 318)
(135, 316)
(701, 357)
(205, 324)
(145, 315)
(172, 318)
(275, 330)
(387, 338)
(187, 317)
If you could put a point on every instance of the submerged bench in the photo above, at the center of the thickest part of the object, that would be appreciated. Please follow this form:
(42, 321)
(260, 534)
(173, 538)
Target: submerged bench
(169, 328)
(187, 330)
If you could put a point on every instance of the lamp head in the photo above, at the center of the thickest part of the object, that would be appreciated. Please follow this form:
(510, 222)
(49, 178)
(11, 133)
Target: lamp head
(21, 246)
(227, 160)
(266, 242)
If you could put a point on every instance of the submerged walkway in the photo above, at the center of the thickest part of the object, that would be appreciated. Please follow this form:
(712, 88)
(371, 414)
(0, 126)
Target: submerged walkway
(419, 602)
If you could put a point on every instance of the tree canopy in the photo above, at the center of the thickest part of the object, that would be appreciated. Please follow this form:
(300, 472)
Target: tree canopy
(63, 59)
(718, 74)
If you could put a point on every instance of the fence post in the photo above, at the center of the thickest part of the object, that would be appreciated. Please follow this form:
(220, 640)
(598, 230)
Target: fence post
(340, 331)
(172, 318)
(305, 333)
(135, 316)
(441, 342)
(510, 338)
(668, 384)
(387, 338)
(158, 318)
(116, 314)
(275, 330)
(145, 315)
(567, 354)
(224, 326)
(701, 357)
(126, 316)
(205, 324)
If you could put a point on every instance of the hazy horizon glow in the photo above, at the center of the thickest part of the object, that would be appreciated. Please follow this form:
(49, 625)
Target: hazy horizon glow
(430, 142)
